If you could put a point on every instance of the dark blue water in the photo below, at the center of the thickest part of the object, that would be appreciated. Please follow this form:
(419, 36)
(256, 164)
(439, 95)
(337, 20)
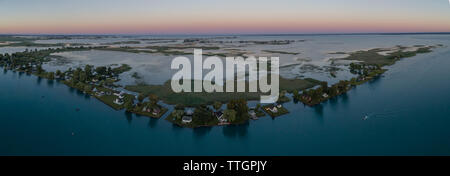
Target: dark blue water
(408, 109)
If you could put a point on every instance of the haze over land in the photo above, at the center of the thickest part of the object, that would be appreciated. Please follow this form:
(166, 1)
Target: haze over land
(225, 17)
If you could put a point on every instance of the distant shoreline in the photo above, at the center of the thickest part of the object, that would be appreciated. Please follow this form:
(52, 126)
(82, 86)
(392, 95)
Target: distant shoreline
(237, 34)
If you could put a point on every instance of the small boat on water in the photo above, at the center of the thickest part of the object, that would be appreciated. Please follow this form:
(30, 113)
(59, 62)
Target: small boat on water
(366, 117)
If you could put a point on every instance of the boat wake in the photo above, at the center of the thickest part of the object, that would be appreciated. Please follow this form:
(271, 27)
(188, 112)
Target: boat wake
(392, 113)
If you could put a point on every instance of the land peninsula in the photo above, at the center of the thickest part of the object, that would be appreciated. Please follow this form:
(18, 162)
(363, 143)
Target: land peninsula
(202, 109)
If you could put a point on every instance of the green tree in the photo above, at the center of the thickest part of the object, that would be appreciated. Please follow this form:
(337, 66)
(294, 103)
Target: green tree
(203, 116)
(230, 115)
(87, 88)
(83, 77)
(101, 70)
(58, 73)
(258, 106)
(178, 114)
(129, 106)
(241, 108)
(51, 75)
(88, 71)
(153, 99)
(39, 69)
(141, 97)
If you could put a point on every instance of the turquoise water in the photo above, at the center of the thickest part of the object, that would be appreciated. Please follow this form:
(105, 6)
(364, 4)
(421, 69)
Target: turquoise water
(408, 110)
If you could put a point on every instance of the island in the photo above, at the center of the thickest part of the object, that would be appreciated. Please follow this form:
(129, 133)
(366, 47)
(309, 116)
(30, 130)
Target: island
(194, 110)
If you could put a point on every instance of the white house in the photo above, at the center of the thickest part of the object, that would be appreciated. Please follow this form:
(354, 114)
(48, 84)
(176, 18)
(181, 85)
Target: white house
(187, 119)
(273, 109)
(118, 101)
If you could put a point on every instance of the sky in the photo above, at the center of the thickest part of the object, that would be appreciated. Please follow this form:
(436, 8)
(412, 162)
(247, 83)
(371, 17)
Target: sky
(222, 16)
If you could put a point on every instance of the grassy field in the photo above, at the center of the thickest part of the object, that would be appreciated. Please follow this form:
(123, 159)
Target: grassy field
(372, 57)
(25, 42)
(166, 50)
(280, 52)
(197, 98)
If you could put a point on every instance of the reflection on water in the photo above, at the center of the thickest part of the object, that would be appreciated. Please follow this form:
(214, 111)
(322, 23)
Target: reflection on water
(152, 122)
(79, 93)
(201, 132)
(129, 116)
(236, 131)
(71, 89)
(405, 119)
(50, 82)
(39, 79)
(344, 99)
(318, 109)
(375, 82)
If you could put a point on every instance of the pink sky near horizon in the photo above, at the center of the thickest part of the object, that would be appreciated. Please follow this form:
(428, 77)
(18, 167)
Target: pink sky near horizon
(208, 19)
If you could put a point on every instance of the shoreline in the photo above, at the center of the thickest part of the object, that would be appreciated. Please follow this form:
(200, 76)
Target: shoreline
(307, 99)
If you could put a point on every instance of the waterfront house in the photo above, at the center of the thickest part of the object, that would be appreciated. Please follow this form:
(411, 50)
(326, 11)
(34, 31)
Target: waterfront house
(307, 98)
(279, 106)
(156, 111)
(252, 114)
(186, 119)
(219, 116)
(118, 101)
(272, 109)
(325, 95)
(99, 94)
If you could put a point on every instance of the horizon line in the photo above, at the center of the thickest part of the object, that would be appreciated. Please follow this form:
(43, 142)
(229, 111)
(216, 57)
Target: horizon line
(211, 34)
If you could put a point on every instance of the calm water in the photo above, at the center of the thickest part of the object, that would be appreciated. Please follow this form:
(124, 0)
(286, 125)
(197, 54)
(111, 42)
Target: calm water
(408, 108)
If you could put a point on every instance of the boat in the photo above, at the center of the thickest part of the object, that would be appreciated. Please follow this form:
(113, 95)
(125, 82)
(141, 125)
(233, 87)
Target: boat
(366, 117)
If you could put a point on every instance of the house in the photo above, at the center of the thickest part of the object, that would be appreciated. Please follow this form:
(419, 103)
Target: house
(218, 114)
(99, 94)
(156, 111)
(186, 119)
(120, 95)
(325, 95)
(252, 114)
(118, 101)
(306, 98)
(272, 109)
(279, 106)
